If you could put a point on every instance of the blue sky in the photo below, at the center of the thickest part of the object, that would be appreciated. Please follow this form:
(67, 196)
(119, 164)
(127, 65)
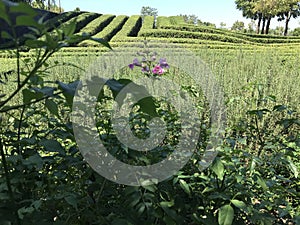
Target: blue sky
(214, 11)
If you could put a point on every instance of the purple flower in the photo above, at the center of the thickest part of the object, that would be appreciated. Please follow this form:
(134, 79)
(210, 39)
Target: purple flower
(158, 70)
(131, 66)
(163, 63)
(136, 62)
(145, 69)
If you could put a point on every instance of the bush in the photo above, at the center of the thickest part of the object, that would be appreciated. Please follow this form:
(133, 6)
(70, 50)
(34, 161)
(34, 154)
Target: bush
(130, 28)
(97, 24)
(109, 31)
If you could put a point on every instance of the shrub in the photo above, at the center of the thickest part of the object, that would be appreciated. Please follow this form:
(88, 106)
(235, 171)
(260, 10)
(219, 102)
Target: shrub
(130, 28)
(97, 24)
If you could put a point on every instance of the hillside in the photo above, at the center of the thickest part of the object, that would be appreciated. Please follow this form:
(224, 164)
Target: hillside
(130, 29)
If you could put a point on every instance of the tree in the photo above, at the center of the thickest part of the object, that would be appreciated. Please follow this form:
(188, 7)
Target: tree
(252, 26)
(49, 5)
(238, 25)
(149, 11)
(191, 19)
(296, 32)
(222, 25)
(289, 9)
(247, 7)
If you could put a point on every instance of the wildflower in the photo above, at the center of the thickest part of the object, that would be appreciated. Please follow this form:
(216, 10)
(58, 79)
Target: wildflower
(148, 65)
(136, 62)
(163, 63)
(158, 70)
(131, 66)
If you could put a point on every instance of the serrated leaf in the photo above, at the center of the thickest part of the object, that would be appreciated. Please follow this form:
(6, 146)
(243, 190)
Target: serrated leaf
(226, 214)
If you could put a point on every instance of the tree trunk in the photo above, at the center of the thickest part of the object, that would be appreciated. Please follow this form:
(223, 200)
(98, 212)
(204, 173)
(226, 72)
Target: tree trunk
(287, 20)
(268, 25)
(59, 6)
(263, 26)
(258, 25)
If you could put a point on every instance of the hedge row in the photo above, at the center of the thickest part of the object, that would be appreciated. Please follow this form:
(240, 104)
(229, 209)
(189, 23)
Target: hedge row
(194, 35)
(97, 24)
(265, 39)
(59, 19)
(163, 21)
(176, 20)
(81, 20)
(130, 28)
(108, 32)
(148, 23)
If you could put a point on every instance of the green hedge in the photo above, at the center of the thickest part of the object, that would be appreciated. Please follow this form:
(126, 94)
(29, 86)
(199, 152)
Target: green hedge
(177, 20)
(97, 24)
(264, 39)
(108, 32)
(194, 35)
(130, 28)
(163, 21)
(81, 20)
(59, 19)
(148, 23)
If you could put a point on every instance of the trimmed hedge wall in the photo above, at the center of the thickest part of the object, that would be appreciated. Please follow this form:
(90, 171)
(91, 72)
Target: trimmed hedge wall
(264, 39)
(130, 28)
(61, 18)
(148, 23)
(97, 24)
(176, 20)
(108, 32)
(163, 21)
(194, 35)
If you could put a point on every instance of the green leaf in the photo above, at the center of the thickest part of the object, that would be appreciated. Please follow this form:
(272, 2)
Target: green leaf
(28, 95)
(6, 35)
(226, 214)
(218, 168)
(51, 106)
(23, 8)
(293, 167)
(26, 21)
(35, 43)
(147, 105)
(101, 41)
(69, 90)
(262, 183)
(52, 146)
(70, 28)
(238, 204)
(185, 187)
(70, 199)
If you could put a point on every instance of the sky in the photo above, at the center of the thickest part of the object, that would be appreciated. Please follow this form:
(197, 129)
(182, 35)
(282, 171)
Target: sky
(214, 11)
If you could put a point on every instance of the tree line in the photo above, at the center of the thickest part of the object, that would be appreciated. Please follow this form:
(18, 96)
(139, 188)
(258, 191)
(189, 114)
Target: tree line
(263, 11)
(51, 5)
